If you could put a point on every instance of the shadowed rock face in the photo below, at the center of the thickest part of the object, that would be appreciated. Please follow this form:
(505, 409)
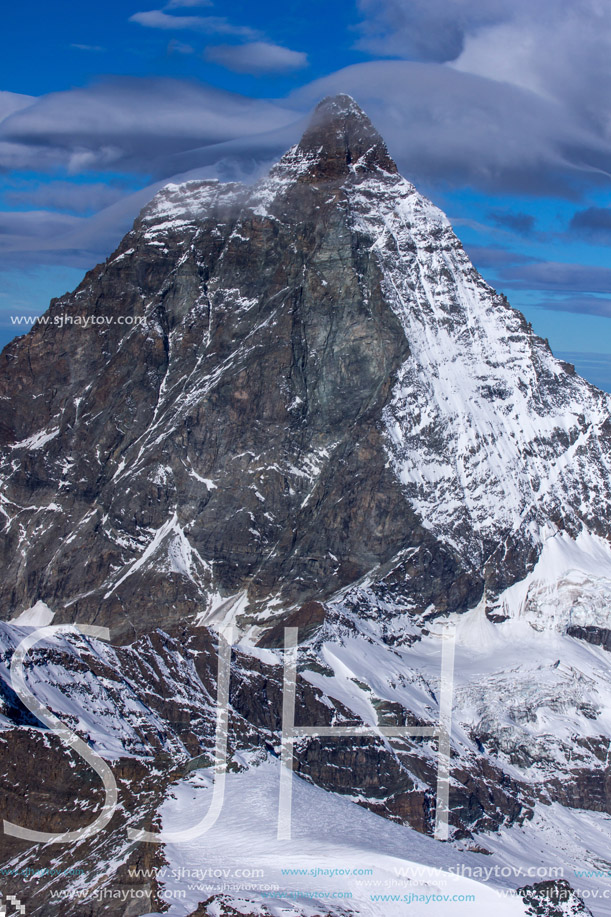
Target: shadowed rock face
(345, 135)
(234, 437)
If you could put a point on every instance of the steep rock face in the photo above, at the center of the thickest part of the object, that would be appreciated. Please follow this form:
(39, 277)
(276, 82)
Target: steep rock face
(258, 354)
(233, 439)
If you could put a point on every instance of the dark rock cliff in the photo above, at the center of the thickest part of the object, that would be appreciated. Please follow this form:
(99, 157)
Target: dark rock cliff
(246, 408)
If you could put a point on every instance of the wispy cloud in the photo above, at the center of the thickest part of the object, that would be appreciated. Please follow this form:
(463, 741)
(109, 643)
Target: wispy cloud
(558, 49)
(168, 129)
(39, 224)
(11, 102)
(180, 47)
(430, 30)
(559, 277)
(593, 223)
(258, 57)
(87, 47)
(186, 4)
(494, 256)
(209, 25)
(450, 127)
(443, 127)
(66, 195)
(521, 223)
(589, 305)
(131, 124)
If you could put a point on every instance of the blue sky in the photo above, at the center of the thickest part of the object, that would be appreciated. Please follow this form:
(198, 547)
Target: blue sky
(501, 113)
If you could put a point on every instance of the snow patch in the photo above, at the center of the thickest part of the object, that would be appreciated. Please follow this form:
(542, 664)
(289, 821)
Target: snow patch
(37, 440)
(570, 585)
(334, 843)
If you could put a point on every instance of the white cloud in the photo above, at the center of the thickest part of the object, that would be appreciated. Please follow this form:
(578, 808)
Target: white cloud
(11, 102)
(446, 127)
(555, 49)
(23, 227)
(209, 25)
(180, 47)
(131, 124)
(257, 57)
(430, 30)
(184, 4)
(559, 49)
(87, 47)
(442, 125)
(65, 195)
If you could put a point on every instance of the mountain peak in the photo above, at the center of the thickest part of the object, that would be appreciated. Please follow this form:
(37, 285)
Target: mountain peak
(340, 104)
(341, 135)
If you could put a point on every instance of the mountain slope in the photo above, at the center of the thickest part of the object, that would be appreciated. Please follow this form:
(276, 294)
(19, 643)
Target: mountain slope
(263, 352)
(298, 404)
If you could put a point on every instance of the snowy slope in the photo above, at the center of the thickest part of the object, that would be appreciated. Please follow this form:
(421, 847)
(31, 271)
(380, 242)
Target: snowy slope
(492, 436)
(535, 700)
(559, 836)
(341, 855)
(570, 585)
(114, 698)
(526, 700)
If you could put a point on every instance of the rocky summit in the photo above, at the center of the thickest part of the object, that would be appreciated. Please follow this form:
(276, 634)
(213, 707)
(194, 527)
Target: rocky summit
(298, 403)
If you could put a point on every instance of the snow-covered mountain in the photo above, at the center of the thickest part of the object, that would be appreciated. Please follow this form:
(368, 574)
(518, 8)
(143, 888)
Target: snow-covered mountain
(298, 404)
